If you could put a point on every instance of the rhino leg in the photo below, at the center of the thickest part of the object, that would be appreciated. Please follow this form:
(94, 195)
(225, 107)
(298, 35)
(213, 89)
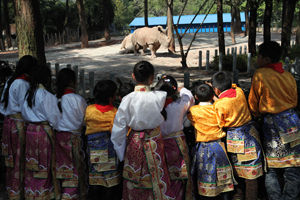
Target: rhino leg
(143, 50)
(153, 51)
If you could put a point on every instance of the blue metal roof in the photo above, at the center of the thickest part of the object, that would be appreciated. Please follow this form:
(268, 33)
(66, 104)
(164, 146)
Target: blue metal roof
(185, 19)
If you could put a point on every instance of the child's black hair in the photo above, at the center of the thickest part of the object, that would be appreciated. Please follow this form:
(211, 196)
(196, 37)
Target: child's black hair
(168, 84)
(40, 75)
(221, 81)
(65, 78)
(142, 71)
(204, 92)
(103, 91)
(270, 49)
(24, 66)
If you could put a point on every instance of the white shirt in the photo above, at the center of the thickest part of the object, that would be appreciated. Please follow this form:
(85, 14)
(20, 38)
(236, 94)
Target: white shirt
(16, 97)
(73, 110)
(139, 111)
(176, 112)
(45, 108)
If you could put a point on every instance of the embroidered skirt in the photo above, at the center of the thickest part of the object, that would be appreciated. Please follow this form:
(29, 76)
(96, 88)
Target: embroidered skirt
(38, 155)
(103, 161)
(13, 151)
(178, 162)
(145, 169)
(211, 169)
(281, 139)
(70, 165)
(245, 150)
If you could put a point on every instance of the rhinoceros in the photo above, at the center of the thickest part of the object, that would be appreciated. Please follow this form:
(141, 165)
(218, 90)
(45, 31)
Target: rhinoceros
(150, 37)
(126, 45)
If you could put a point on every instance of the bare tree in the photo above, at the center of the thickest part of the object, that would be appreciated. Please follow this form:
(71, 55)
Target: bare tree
(2, 46)
(108, 13)
(247, 19)
(253, 4)
(267, 20)
(288, 10)
(30, 29)
(298, 30)
(179, 37)
(170, 25)
(6, 23)
(146, 12)
(232, 24)
(83, 26)
(66, 20)
(220, 27)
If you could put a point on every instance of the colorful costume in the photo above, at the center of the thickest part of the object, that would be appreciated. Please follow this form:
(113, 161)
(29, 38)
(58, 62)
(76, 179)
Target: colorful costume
(103, 169)
(13, 138)
(176, 149)
(242, 136)
(210, 164)
(39, 155)
(145, 171)
(273, 95)
(70, 165)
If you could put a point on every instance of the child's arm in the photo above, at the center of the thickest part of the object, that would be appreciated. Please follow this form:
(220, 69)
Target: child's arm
(119, 131)
(51, 110)
(254, 95)
(220, 113)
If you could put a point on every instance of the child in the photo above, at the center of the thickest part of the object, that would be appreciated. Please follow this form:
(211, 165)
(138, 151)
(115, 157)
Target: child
(13, 130)
(41, 112)
(70, 165)
(104, 174)
(273, 96)
(211, 167)
(243, 141)
(139, 116)
(176, 150)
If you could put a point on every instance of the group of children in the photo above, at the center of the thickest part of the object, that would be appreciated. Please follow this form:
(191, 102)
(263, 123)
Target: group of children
(138, 150)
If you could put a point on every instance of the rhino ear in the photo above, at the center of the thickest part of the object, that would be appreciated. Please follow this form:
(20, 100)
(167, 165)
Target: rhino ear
(161, 29)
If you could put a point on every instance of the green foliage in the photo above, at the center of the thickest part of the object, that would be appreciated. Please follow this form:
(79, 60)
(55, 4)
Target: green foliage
(123, 14)
(294, 52)
(227, 63)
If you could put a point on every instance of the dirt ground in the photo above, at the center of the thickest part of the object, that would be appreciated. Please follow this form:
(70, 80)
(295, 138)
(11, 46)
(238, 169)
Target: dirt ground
(105, 60)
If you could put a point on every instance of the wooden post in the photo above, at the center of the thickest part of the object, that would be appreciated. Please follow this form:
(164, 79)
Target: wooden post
(245, 49)
(69, 66)
(207, 59)
(91, 83)
(232, 50)
(56, 69)
(216, 52)
(76, 77)
(186, 79)
(82, 83)
(241, 49)
(228, 51)
(220, 61)
(200, 60)
(249, 63)
(287, 65)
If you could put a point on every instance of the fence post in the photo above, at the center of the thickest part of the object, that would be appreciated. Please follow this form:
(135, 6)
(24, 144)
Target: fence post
(207, 59)
(232, 50)
(228, 51)
(91, 83)
(200, 59)
(76, 77)
(245, 49)
(186, 79)
(287, 65)
(216, 52)
(56, 68)
(82, 83)
(249, 63)
(234, 70)
(48, 65)
(241, 49)
(220, 61)
(69, 66)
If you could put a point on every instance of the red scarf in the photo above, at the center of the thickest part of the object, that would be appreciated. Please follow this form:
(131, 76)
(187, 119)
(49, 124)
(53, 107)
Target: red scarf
(228, 93)
(275, 66)
(168, 101)
(69, 91)
(23, 77)
(105, 108)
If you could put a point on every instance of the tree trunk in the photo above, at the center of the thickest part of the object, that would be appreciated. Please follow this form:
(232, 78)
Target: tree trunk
(298, 30)
(252, 27)
(170, 26)
(232, 25)
(220, 27)
(6, 23)
(83, 28)
(108, 16)
(247, 19)
(66, 22)
(2, 46)
(267, 20)
(237, 22)
(146, 12)
(30, 29)
(288, 9)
